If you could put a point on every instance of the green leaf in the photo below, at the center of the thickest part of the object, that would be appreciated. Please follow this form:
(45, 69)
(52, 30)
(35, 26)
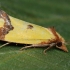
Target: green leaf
(46, 13)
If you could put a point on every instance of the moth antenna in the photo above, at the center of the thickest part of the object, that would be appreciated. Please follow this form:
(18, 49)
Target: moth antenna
(67, 43)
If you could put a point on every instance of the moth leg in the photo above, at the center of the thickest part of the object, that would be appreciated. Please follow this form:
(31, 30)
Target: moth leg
(34, 45)
(50, 46)
(4, 45)
(39, 45)
(26, 47)
(47, 49)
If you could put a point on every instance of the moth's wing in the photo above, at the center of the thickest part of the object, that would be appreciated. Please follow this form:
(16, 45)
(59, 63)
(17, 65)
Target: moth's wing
(1, 22)
(28, 33)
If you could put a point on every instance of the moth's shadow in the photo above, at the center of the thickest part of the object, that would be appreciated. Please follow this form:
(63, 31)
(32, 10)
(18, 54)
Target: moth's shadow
(11, 46)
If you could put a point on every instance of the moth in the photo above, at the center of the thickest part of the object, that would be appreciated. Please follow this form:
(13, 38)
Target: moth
(13, 30)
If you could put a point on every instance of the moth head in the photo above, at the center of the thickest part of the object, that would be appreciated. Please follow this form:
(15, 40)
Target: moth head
(61, 45)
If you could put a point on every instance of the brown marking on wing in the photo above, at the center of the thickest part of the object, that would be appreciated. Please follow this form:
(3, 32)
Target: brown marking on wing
(57, 37)
(29, 26)
(49, 41)
(7, 25)
(54, 33)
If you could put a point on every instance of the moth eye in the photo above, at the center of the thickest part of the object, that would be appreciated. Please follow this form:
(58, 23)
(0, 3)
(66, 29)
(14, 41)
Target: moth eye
(59, 44)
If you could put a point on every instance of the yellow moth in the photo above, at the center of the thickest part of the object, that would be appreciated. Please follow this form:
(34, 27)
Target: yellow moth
(13, 30)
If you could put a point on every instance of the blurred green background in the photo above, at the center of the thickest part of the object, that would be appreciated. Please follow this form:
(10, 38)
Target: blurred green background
(46, 13)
